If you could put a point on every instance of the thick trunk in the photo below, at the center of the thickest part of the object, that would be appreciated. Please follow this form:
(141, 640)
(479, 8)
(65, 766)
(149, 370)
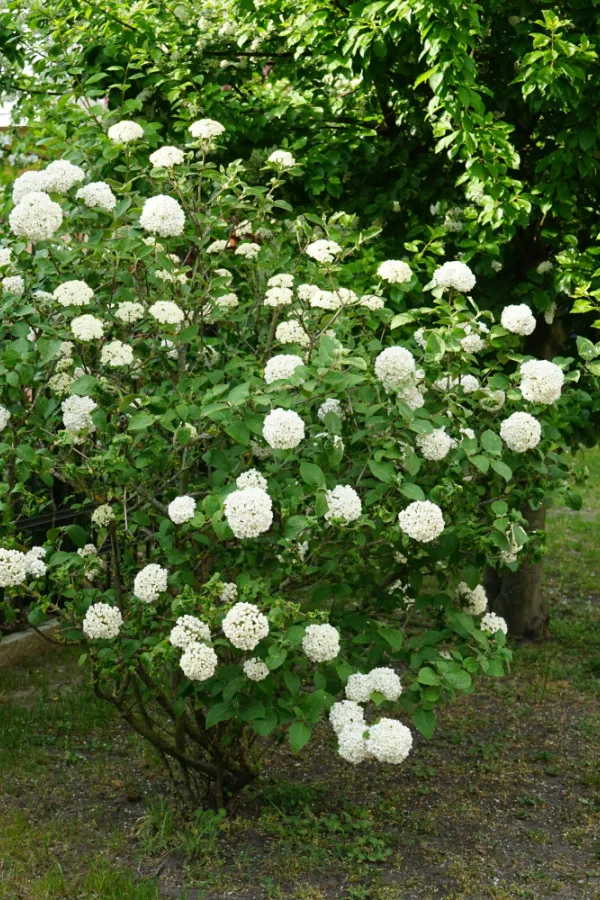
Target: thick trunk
(517, 596)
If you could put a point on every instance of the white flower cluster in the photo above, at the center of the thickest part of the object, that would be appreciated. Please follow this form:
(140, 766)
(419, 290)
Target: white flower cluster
(103, 516)
(30, 182)
(278, 296)
(455, 275)
(129, 312)
(395, 366)
(383, 680)
(472, 343)
(344, 713)
(102, 621)
(394, 271)
(249, 250)
(545, 266)
(125, 132)
(14, 284)
(13, 568)
(188, 630)
(541, 381)
(343, 503)
(116, 354)
(475, 601)
(493, 623)
(73, 293)
(331, 405)
(283, 429)
(372, 302)
(281, 367)
(229, 592)
(97, 195)
(5, 257)
(226, 301)
(436, 445)
(182, 509)
(150, 582)
(323, 251)
(198, 662)
(77, 417)
(321, 643)
(4, 417)
(422, 520)
(167, 157)
(251, 478)
(389, 741)
(36, 217)
(163, 215)
(245, 626)
(248, 512)
(216, 247)
(61, 175)
(87, 328)
(292, 332)
(255, 669)
(34, 562)
(166, 312)
(518, 319)
(283, 159)
(206, 129)
(521, 432)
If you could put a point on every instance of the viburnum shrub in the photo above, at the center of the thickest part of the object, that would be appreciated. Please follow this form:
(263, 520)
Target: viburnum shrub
(290, 487)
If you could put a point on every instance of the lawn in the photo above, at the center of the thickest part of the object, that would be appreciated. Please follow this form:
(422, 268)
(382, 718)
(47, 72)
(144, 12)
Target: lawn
(503, 802)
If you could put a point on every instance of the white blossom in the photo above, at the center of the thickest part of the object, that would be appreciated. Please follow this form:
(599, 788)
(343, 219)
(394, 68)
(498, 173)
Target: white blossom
(73, 293)
(422, 520)
(455, 275)
(125, 132)
(496, 265)
(205, 129)
(278, 296)
(14, 284)
(283, 429)
(282, 366)
(358, 688)
(188, 630)
(394, 271)
(150, 582)
(521, 432)
(389, 741)
(77, 417)
(61, 176)
(307, 291)
(475, 601)
(4, 417)
(329, 300)
(372, 302)
(385, 681)
(30, 182)
(331, 405)
(255, 669)
(227, 301)
(162, 215)
(346, 712)
(13, 568)
(472, 343)
(217, 247)
(251, 478)
(321, 643)
(493, 623)
(229, 592)
(167, 157)
(343, 503)
(292, 332)
(412, 396)
(129, 312)
(87, 328)
(182, 509)
(103, 516)
(97, 195)
(245, 626)
(102, 621)
(550, 313)
(34, 562)
(352, 745)
(249, 250)
(281, 281)
(395, 366)
(545, 266)
(323, 251)
(166, 312)
(469, 383)
(36, 217)
(282, 159)
(541, 381)
(436, 445)
(5, 257)
(518, 319)
(198, 662)
(249, 512)
(116, 354)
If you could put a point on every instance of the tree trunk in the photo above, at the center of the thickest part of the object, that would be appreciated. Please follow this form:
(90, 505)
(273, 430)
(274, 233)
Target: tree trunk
(517, 596)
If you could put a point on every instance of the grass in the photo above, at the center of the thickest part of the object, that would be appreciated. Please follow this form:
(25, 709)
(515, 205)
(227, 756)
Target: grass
(503, 803)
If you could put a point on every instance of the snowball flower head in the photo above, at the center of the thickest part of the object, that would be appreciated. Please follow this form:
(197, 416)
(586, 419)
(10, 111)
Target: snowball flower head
(351, 743)
(14, 284)
(116, 354)
(394, 271)
(125, 132)
(34, 562)
(182, 509)
(166, 312)
(278, 296)
(249, 512)
(87, 328)
(493, 400)
(167, 157)
(61, 176)
(343, 503)
(150, 582)
(129, 312)
(255, 669)
(4, 417)
(292, 332)
(278, 281)
(493, 623)
(321, 643)
(455, 275)
(102, 621)
(422, 520)
(331, 405)
(358, 688)
(245, 626)
(28, 183)
(205, 129)
(385, 681)
(13, 568)
(518, 319)
(372, 302)
(5, 257)
(472, 343)
(282, 159)
(36, 217)
(97, 195)
(198, 662)
(283, 429)
(389, 741)
(162, 215)
(77, 415)
(249, 250)
(545, 266)
(475, 601)
(282, 366)
(73, 293)
(521, 432)
(229, 592)
(436, 445)
(251, 478)
(469, 383)
(188, 630)
(103, 515)
(395, 366)
(346, 712)
(323, 251)
(541, 381)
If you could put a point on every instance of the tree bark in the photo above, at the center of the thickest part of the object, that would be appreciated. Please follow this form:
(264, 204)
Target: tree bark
(517, 596)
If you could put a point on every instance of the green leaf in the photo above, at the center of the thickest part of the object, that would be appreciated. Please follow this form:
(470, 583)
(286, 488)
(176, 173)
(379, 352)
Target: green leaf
(84, 385)
(491, 442)
(312, 474)
(482, 462)
(292, 682)
(140, 421)
(424, 721)
(239, 393)
(499, 508)
(428, 676)
(266, 725)
(401, 319)
(299, 735)
(294, 526)
(250, 709)
(239, 432)
(77, 535)
(220, 712)
(36, 616)
(384, 471)
(574, 500)
(412, 491)
(459, 681)
(393, 636)
(586, 349)
(502, 469)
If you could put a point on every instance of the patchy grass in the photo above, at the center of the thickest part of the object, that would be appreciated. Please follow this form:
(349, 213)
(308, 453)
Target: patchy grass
(503, 802)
